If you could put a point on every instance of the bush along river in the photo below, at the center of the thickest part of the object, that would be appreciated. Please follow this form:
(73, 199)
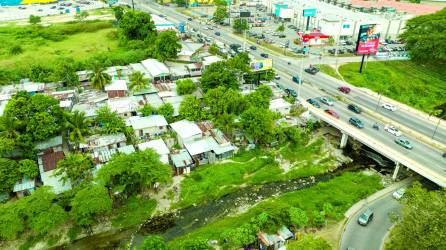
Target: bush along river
(182, 221)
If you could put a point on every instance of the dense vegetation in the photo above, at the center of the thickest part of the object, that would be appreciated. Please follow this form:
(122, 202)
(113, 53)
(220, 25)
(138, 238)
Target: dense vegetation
(408, 82)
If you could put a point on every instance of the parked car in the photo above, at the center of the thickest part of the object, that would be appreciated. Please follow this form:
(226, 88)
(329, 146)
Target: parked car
(296, 79)
(252, 47)
(354, 108)
(217, 33)
(404, 143)
(189, 19)
(389, 107)
(291, 92)
(366, 217)
(356, 122)
(344, 89)
(326, 100)
(314, 102)
(392, 130)
(282, 36)
(312, 70)
(277, 77)
(332, 113)
(264, 55)
(398, 194)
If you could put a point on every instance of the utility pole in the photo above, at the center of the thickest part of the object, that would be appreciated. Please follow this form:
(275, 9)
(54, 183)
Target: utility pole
(337, 41)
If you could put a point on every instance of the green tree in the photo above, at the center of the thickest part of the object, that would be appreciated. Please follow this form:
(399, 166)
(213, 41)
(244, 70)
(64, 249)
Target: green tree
(154, 242)
(224, 101)
(260, 97)
(109, 122)
(424, 36)
(167, 111)
(90, 203)
(34, 19)
(298, 217)
(309, 242)
(65, 71)
(81, 16)
(241, 236)
(135, 172)
(167, 45)
(28, 168)
(220, 2)
(185, 87)
(98, 78)
(147, 110)
(11, 222)
(181, 3)
(281, 28)
(6, 146)
(9, 175)
(75, 168)
(423, 223)
(220, 14)
(136, 25)
(195, 244)
(240, 25)
(78, 126)
(41, 212)
(218, 74)
(190, 109)
(318, 218)
(118, 11)
(138, 81)
(258, 123)
(213, 49)
(9, 126)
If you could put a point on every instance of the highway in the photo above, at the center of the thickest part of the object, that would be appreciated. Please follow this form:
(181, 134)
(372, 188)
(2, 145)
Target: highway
(426, 155)
(370, 237)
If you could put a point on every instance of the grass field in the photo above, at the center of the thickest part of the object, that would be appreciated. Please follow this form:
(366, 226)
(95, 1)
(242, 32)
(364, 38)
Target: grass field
(329, 71)
(349, 188)
(134, 212)
(413, 84)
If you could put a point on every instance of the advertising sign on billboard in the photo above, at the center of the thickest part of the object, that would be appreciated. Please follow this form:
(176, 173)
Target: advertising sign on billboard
(368, 39)
(309, 12)
(245, 13)
(264, 64)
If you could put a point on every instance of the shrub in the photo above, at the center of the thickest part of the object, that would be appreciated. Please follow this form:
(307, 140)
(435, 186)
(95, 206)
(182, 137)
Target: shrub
(185, 87)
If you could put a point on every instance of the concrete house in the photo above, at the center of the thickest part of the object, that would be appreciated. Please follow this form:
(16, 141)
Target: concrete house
(159, 147)
(117, 88)
(186, 131)
(148, 126)
(208, 150)
(281, 106)
(125, 106)
(103, 147)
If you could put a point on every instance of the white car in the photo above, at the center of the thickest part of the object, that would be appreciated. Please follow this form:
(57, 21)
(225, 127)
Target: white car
(392, 130)
(389, 107)
(277, 77)
(398, 194)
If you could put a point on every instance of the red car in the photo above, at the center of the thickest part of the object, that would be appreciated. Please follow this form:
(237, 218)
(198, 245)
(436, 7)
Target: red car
(332, 112)
(344, 89)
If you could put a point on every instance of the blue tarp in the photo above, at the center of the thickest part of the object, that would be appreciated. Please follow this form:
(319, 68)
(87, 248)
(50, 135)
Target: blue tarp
(10, 2)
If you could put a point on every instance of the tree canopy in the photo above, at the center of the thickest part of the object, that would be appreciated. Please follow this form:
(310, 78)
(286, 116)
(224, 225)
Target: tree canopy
(78, 126)
(218, 74)
(167, 111)
(90, 203)
(134, 172)
(109, 122)
(240, 25)
(9, 174)
(424, 37)
(298, 217)
(185, 87)
(423, 223)
(28, 168)
(138, 81)
(259, 123)
(154, 242)
(75, 168)
(190, 109)
(220, 14)
(167, 45)
(136, 25)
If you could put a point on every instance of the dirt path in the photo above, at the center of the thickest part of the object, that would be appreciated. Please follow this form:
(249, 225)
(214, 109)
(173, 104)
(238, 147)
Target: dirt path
(165, 198)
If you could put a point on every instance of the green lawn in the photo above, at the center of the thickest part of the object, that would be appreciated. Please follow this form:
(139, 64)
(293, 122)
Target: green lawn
(342, 192)
(134, 212)
(329, 71)
(255, 167)
(413, 84)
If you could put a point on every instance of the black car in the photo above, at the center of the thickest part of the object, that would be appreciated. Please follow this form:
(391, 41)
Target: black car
(282, 36)
(354, 108)
(312, 70)
(314, 102)
(264, 55)
(252, 47)
(234, 46)
(217, 33)
(291, 92)
(189, 18)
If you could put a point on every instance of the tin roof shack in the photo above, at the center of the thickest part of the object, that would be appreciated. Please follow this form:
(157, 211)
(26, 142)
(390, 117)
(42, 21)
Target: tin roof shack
(182, 162)
(125, 106)
(24, 187)
(157, 70)
(274, 241)
(207, 150)
(280, 106)
(117, 88)
(159, 147)
(189, 51)
(148, 126)
(49, 154)
(102, 147)
(186, 131)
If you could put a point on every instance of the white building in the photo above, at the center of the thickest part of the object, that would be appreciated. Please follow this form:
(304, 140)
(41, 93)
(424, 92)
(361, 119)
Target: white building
(159, 147)
(125, 106)
(156, 69)
(186, 131)
(281, 106)
(147, 126)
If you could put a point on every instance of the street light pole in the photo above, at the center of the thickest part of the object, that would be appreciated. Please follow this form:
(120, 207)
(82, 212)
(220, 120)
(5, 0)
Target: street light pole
(337, 41)
(300, 78)
(379, 99)
(438, 124)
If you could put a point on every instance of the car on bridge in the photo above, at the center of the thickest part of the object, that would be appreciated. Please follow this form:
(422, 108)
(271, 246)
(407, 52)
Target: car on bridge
(389, 107)
(291, 92)
(344, 89)
(356, 122)
(326, 100)
(314, 102)
(366, 217)
(354, 108)
(404, 143)
(332, 113)
(392, 130)
(312, 70)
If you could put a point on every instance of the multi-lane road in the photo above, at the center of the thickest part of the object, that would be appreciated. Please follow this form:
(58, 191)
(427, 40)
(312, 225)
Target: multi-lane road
(321, 84)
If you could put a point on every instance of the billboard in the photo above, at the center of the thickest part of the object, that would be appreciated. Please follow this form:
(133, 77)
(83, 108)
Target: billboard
(286, 13)
(368, 39)
(309, 12)
(259, 65)
(245, 13)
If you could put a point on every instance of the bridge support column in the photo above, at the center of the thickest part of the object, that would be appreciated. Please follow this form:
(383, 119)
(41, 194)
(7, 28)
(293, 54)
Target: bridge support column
(344, 140)
(395, 172)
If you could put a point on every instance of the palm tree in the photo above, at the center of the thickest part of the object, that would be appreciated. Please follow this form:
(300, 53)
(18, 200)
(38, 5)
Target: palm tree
(98, 78)
(138, 82)
(78, 126)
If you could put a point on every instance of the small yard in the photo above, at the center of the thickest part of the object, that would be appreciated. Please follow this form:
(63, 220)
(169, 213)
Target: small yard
(134, 212)
(349, 188)
(419, 86)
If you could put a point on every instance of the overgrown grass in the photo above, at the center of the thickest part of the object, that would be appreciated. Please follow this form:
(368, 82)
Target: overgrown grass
(254, 167)
(329, 71)
(134, 212)
(416, 85)
(342, 192)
